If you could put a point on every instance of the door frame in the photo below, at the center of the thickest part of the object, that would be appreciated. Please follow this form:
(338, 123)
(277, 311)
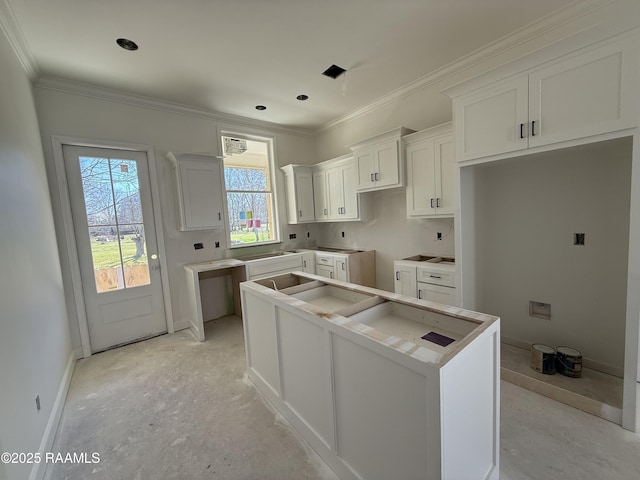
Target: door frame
(68, 232)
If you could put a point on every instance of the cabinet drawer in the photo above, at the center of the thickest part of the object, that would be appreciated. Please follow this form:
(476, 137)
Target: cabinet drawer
(326, 260)
(273, 266)
(436, 293)
(436, 275)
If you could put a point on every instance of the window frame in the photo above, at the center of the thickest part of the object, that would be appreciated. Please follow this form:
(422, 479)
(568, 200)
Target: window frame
(271, 184)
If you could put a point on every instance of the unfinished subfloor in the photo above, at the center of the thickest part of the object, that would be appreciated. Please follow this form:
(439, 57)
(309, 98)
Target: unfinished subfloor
(174, 408)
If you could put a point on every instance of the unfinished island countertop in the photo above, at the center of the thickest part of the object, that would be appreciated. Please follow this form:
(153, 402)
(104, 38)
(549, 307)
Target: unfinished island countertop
(380, 385)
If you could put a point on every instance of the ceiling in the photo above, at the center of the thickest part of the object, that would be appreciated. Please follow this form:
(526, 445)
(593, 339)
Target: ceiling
(231, 55)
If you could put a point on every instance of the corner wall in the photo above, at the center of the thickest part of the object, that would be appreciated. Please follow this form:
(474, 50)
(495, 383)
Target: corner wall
(35, 345)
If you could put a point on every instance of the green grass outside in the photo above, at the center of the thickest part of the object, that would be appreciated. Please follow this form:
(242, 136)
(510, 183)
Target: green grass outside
(107, 255)
(249, 237)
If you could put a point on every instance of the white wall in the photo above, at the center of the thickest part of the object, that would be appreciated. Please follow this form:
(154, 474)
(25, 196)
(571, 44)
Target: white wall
(72, 115)
(35, 345)
(528, 210)
(390, 233)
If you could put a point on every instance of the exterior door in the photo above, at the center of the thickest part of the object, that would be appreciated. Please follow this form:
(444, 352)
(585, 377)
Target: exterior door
(117, 249)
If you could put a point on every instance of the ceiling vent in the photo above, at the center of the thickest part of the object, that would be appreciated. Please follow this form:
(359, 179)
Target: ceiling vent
(334, 71)
(234, 146)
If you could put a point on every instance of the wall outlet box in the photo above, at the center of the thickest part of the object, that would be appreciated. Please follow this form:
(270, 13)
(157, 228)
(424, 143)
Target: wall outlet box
(540, 310)
(217, 244)
(292, 236)
(342, 234)
(198, 245)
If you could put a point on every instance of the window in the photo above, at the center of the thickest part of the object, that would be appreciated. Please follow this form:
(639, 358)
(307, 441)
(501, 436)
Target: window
(249, 182)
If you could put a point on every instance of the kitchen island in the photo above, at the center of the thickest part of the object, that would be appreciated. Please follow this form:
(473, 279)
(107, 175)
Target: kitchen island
(379, 385)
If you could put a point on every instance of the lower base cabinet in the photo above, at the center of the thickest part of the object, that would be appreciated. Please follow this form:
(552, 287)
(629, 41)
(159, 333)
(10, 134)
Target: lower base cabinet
(343, 365)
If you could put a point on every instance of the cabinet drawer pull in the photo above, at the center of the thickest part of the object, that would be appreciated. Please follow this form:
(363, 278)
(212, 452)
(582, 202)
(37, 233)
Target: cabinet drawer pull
(376, 176)
(533, 128)
(372, 177)
(330, 274)
(437, 202)
(432, 203)
(521, 128)
(304, 263)
(342, 265)
(397, 275)
(420, 294)
(219, 216)
(300, 213)
(325, 211)
(435, 276)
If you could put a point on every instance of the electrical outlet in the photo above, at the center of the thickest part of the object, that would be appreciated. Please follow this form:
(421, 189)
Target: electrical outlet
(217, 244)
(439, 235)
(342, 234)
(198, 246)
(292, 236)
(38, 403)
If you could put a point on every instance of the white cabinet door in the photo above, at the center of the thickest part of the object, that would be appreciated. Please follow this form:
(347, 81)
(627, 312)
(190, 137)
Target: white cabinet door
(324, 271)
(365, 168)
(335, 192)
(200, 191)
(405, 280)
(341, 268)
(351, 200)
(299, 190)
(493, 120)
(387, 164)
(320, 199)
(583, 95)
(421, 190)
(446, 176)
(431, 174)
(437, 293)
(309, 262)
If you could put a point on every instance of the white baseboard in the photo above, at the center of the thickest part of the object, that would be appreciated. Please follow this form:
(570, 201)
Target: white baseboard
(586, 362)
(181, 325)
(38, 470)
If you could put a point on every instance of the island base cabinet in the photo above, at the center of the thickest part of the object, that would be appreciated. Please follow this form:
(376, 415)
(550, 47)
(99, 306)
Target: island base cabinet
(369, 410)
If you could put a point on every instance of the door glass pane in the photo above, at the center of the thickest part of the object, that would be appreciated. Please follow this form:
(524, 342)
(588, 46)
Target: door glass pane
(114, 214)
(250, 217)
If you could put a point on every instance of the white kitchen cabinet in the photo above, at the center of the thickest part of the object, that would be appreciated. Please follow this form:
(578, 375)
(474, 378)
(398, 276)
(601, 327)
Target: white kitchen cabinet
(299, 191)
(379, 161)
(576, 96)
(405, 279)
(355, 266)
(431, 173)
(436, 293)
(309, 262)
(361, 377)
(341, 268)
(320, 200)
(200, 189)
(335, 193)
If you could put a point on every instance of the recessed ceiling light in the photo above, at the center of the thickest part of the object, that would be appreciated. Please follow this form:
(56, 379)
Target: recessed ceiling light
(260, 107)
(303, 97)
(334, 71)
(127, 44)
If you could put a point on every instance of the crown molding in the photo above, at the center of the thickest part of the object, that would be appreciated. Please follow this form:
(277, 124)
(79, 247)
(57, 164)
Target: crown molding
(12, 30)
(111, 95)
(553, 21)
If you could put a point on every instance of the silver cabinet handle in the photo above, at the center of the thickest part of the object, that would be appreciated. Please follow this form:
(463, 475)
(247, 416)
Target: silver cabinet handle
(420, 294)
(533, 128)
(326, 212)
(437, 202)
(397, 275)
(431, 203)
(372, 178)
(300, 213)
(435, 276)
(304, 263)
(219, 216)
(330, 274)
(376, 176)
(343, 266)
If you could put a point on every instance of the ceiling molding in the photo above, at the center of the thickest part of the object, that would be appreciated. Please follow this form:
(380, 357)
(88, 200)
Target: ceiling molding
(548, 23)
(87, 90)
(17, 40)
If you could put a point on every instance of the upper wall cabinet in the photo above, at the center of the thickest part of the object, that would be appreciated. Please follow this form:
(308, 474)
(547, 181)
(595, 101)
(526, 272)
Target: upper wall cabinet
(579, 95)
(299, 191)
(431, 173)
(335, 195)
(200, 181)
(379, 161)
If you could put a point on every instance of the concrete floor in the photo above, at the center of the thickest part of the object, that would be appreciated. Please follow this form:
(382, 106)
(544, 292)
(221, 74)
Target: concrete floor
(173, 408)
